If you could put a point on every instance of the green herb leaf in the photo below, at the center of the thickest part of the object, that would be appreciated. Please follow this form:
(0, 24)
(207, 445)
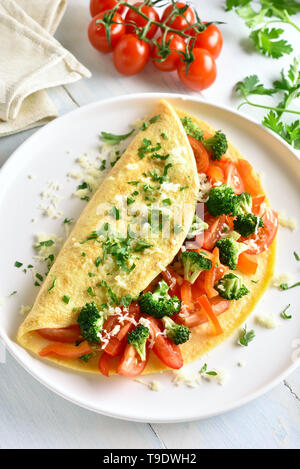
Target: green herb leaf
(296, 256)
(113, 139)
(246, 337)
(66, 299)
(115, 213)
(53, 285)
(284, 315)
(284, 286)
(90, 292)
(18, 264)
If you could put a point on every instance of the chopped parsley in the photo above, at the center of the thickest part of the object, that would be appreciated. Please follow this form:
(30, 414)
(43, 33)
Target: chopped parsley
(13, 293)
(92, 274)
(297, 257)
(18, 264)
(39, 277)
(103, 165)
(154, 119)
(47, 243)
(167, 202)
(182, 188)
(130, 201)
(204, 370)
(246, 337)
(113, 139)
(133, 183)
(66, 299)
(84, 185)
(284, 286)
(111, 294)
(90, 292)
(86, 357)
(53, 285)
(141, 245)
(98, 261)
(68, 220)
(160, 157)
(284, 315)
(115, 212)
(164, 136)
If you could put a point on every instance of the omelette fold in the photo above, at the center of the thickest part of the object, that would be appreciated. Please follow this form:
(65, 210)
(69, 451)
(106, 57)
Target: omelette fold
(127, 237)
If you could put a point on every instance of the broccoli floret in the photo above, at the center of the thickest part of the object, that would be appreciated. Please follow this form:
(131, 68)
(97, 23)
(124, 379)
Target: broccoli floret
(138, 338)
(247, 224)
(178, 333)
(230, 251)
(231, 287)
(159, 303)
(192, 129)
(216, 145)
(194, 264)
(90, 321)
(243, 204)
(221, 201)
(197, 227)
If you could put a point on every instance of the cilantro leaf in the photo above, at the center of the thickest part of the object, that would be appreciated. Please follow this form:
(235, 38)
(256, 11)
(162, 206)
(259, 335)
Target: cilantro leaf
(246, 337)
(251, 85)
(265, 42)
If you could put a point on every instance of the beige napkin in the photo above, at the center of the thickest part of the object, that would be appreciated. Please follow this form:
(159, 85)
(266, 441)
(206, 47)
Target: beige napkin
(31, 60)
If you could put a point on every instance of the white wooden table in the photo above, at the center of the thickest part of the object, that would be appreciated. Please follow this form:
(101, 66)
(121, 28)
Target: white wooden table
(32, 416)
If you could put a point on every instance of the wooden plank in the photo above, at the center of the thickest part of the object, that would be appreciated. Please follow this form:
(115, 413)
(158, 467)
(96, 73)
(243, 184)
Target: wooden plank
(272, 421)
(34, 417)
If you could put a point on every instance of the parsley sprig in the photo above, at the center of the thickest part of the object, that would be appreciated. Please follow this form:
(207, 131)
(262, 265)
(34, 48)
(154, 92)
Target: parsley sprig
(259, 15)
(288, 86)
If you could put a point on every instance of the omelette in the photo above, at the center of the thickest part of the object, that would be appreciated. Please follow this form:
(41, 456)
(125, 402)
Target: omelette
(166, 261)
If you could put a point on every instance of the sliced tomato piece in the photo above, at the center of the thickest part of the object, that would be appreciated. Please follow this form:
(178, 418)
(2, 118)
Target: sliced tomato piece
(233, 178)
(104, 364)
(65, 334)
(213, 232)
(261, 241)
(173, 280)
(66, 350)
(215, 174)
(201, 155)
(164, 348)
(117, 343)
(256, 203)
(131, 364)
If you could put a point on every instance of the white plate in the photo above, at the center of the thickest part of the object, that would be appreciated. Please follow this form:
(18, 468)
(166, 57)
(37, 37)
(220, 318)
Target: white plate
(49, 154)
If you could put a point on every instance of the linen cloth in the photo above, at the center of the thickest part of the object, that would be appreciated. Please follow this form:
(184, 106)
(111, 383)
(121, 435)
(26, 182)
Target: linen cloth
(31, 60)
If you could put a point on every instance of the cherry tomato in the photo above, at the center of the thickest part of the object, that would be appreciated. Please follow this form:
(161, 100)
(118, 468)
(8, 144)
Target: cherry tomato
(131, 364)
(97, 34)
(211, 40)
(179, 22)
(201, 155)
(261, 241)
(201, 73)
(164, 348)
(67, 334)
(104, 364)
(176, 44)
(66, 350)
(97, 6)
(131, 54)
(138, 20)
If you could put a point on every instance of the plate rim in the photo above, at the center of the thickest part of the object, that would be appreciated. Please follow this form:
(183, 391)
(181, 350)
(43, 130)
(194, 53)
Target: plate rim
(5, 169)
